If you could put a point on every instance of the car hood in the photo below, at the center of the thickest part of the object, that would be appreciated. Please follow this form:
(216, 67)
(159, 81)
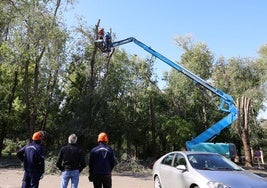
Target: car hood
(235, 179)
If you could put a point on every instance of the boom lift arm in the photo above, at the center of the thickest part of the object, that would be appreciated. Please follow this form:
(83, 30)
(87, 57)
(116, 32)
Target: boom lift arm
(227, 102)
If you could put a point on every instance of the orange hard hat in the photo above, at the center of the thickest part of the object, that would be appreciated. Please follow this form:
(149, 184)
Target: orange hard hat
(38, 135)
(102, 137)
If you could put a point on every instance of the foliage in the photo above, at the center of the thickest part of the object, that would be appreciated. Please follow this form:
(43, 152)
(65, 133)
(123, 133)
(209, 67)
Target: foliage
(177, 132)
(65, 85)
(12, 145)
(188, 100)
(132, 167)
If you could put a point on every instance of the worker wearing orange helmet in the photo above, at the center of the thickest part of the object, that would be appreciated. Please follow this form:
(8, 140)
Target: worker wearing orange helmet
(32, 155)
(101, 163)
(101, 34)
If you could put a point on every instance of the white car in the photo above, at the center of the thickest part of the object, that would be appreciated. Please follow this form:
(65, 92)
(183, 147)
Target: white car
(191, 169)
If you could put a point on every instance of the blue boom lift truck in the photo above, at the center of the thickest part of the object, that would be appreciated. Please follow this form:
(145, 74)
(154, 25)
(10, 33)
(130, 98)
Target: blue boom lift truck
(200, 142)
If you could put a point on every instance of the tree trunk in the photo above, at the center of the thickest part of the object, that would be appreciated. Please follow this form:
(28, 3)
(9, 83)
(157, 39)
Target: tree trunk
(243, 105)
(153, 123)
(49, 95)
(34, 101)
(91, 84)
(27, 97)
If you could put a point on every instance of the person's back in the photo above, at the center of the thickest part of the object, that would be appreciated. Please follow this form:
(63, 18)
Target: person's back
(71, 162)
(32, 155)
(101, 163)
(102, 159)
(72, 156)
(108, 41)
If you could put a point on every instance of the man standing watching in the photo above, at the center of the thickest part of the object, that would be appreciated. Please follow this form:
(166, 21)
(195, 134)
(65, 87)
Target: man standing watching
(32, 156)
(71, 162)
(101, 163)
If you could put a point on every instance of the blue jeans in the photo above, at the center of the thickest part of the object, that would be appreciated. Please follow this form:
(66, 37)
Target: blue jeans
(72, 175)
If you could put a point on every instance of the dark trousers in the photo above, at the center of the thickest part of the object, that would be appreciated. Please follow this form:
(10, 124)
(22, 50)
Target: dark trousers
(30, 180)
(102, 180)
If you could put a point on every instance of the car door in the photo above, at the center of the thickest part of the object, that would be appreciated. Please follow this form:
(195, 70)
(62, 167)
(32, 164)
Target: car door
(176, 176)
(164, 171)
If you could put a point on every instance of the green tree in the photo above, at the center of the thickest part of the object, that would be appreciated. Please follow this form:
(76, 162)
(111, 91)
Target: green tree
(109, 93)
(34, 49)
(188, 100)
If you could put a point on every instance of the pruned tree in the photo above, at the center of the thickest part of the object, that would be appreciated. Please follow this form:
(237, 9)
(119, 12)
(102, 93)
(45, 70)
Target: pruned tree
(243, 106)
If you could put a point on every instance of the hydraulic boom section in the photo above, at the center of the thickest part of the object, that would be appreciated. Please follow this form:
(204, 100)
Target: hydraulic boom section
(226, 98)
(227, 102)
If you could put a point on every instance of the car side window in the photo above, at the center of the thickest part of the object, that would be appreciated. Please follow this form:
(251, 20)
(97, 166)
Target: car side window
(179, 160)
(168, 159)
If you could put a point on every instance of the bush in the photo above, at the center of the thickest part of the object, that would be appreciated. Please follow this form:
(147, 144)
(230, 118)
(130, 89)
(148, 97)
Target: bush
(12, 145)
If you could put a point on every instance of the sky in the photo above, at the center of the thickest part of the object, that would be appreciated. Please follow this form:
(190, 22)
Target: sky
(229, 28)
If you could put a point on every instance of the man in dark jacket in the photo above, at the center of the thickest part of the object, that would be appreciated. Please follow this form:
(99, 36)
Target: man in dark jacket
(71, 161)
(32, 156)
(101, 163)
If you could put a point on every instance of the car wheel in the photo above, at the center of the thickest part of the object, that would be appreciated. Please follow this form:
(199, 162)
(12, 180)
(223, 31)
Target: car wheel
(196, 186)
(157, 182)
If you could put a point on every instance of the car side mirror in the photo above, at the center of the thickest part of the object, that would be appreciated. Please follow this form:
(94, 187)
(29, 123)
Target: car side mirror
(181, 167)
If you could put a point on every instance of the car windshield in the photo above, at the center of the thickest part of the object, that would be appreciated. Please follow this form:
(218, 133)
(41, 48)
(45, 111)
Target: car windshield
(211, 162)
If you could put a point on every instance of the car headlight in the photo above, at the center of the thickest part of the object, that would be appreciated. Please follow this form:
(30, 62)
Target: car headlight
(214, 184)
